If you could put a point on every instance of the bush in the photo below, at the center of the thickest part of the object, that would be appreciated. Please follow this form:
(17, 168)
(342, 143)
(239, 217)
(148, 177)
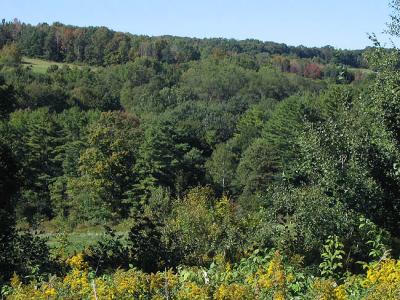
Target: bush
(109, 253)
(10, 55)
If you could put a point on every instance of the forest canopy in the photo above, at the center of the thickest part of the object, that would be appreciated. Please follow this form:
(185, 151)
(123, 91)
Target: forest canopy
(137, 167)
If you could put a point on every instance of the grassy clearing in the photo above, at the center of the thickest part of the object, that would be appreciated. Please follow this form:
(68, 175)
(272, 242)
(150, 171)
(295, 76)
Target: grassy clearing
(361, 70)
(78, 239)
(41, 65)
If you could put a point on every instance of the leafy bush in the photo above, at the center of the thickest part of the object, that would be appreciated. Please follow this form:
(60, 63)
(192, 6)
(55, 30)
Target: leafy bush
(109, 253)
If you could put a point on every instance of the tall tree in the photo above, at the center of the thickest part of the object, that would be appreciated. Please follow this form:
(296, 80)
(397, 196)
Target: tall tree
(35, 138)
(106, 168)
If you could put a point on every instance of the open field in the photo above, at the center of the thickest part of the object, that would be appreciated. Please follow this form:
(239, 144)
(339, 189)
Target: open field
(361, 70)
(78, 239)
(41, 65)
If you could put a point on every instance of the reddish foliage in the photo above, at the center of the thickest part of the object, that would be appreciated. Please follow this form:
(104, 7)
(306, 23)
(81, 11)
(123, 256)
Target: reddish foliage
(312, 70)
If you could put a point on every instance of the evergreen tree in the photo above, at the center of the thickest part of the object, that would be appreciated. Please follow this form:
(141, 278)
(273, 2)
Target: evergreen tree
(35, 138)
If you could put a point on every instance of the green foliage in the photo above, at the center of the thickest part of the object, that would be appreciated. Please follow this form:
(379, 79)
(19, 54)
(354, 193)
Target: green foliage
(282, 129)
(7, 99)
(19, 252)
(108, 253)
(222, 167)
(145, 244)
(102, 46)
(258, 167)
(332, 256)
(258, 276)
(10, 55)
(31, 257)
(377, 239)
(206, 149)
(201, 226)
(34, 137)
(299, 220)
(268, 83)
(214, 80)
(104, 168)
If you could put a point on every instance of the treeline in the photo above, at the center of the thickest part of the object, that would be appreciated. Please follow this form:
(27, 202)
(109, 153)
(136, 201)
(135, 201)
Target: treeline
(104, 47)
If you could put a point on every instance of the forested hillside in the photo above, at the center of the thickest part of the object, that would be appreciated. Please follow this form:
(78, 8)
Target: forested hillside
(105, 47)
(204, 168)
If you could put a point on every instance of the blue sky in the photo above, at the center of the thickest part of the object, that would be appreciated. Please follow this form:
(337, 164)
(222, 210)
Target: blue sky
(341, 23)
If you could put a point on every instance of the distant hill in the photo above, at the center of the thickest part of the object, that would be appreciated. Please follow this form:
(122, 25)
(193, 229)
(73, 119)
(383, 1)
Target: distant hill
(102, 46)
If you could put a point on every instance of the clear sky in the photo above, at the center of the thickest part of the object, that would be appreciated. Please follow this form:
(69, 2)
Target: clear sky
(340, 23)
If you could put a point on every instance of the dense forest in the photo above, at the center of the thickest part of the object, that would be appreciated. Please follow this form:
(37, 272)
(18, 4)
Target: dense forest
(139, 167)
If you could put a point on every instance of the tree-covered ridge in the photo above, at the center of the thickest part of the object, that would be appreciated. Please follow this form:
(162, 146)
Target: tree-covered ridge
(103, 46)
